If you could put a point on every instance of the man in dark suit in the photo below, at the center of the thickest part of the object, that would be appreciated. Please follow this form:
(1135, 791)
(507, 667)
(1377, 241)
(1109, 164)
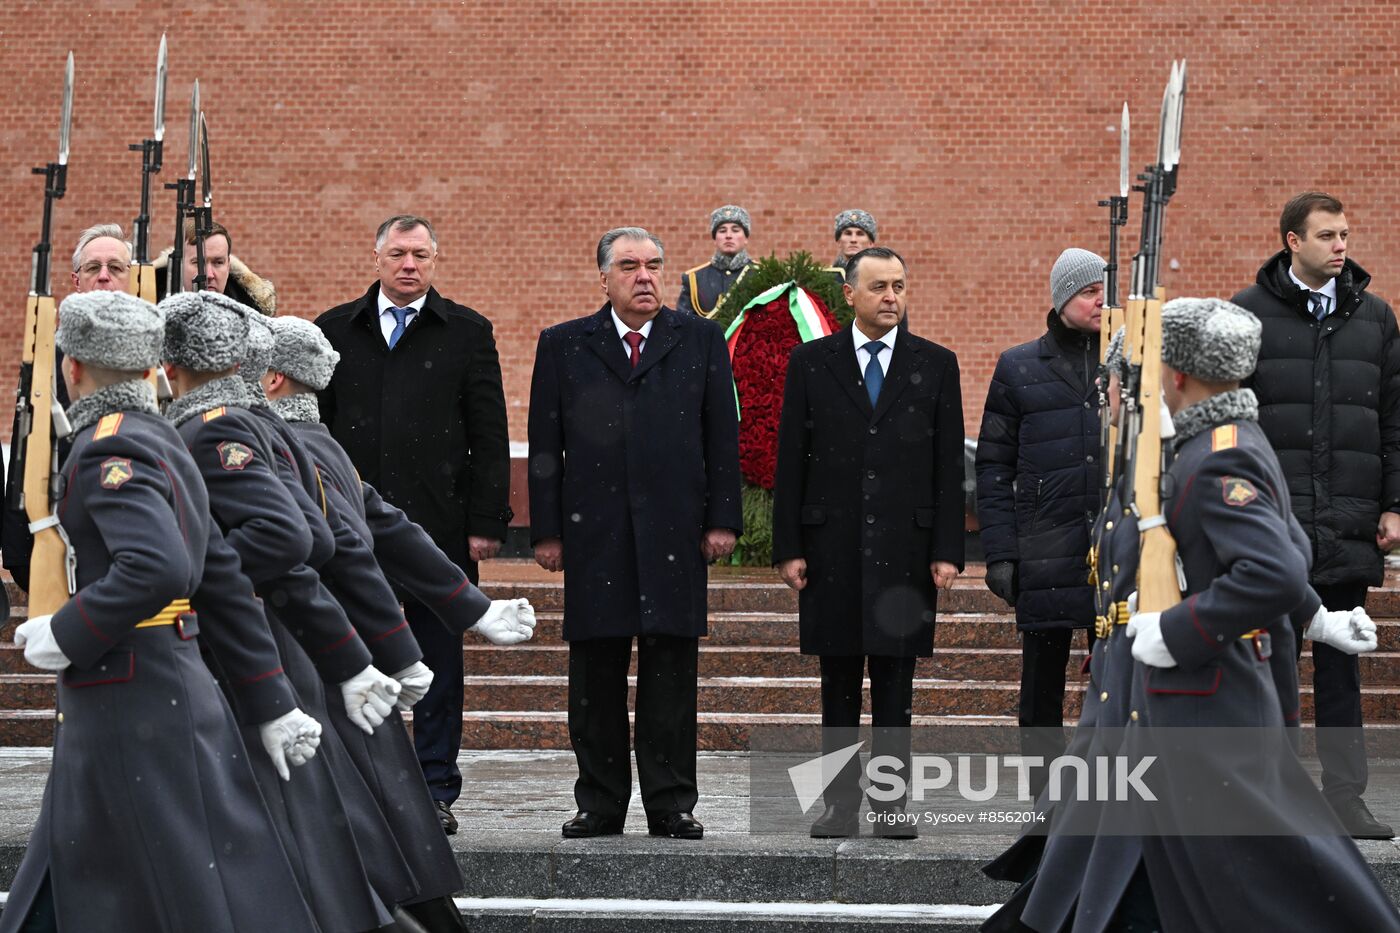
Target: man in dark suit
(868, 518)
(417, 403)
(634, 487)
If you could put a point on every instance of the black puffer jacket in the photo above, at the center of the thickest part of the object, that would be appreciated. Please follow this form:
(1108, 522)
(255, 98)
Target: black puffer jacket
(1040, 431)
(1329, 402)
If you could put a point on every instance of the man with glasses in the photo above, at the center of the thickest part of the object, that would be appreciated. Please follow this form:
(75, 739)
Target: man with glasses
(417, 402)
(634, 488)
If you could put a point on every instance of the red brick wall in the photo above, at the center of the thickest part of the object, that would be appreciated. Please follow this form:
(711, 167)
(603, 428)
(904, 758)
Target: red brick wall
(980, 134)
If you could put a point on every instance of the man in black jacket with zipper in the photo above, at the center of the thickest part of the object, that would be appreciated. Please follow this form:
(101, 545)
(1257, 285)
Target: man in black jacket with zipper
(417, 402)
(1038, 488)
(1328, 384)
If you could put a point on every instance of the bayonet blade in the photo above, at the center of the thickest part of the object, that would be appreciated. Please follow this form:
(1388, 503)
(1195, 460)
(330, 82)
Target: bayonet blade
(194, 129)
(160, 91)
(1162, 122)
(66, 126)
(1123, 163)
(1180, 108)
(205, 185)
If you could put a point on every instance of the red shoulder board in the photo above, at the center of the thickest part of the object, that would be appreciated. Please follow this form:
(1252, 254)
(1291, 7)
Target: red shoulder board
(235, 456)
(115, 472)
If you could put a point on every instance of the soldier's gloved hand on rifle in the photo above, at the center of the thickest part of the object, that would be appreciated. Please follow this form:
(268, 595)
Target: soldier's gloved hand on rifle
(507, 622)
(1002, 580)
(369, 698)
(1149, 647)
(1348, 630)
(291, 738)
(415, 681)
(40, 647)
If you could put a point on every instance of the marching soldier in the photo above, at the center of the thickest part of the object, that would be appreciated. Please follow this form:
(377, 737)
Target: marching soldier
(703, 286)
(385, 756)
(1205, 662)
(152, 819)
(348, 856)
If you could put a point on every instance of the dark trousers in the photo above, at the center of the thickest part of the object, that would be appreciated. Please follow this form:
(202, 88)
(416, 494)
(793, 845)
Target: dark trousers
(664, 738)
(437, 718)
(891, 712)
(1044, 656)
(1341, 747)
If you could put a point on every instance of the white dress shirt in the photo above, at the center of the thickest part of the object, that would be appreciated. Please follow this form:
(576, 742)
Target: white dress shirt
(1328, 291)
(386, 314)
(863, 358)
(623, 330)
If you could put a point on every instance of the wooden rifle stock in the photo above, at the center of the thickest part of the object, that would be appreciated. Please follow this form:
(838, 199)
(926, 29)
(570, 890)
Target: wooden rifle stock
(48, 565)
(1158, 588)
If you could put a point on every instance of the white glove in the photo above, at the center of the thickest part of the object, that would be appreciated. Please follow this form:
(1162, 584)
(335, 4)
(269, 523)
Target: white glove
(1348, 630)
(40, 647)
(415, 681)
(1149, 647)
(507, 622)
(369, 698)
(292, 737)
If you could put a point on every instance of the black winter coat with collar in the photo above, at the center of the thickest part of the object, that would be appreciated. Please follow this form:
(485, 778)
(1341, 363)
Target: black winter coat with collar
(1329, 402)
(1038, 473)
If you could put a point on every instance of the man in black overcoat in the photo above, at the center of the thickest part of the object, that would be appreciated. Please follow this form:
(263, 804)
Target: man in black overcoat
(634, 487)
(417, 402)
(868, 516)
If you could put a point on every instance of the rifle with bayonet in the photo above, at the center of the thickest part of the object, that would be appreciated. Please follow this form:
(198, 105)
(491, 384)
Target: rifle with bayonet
(1159, 585)
(204, 212)
(41, 422)
(1112, 316)
(143, 271)
(184, 203)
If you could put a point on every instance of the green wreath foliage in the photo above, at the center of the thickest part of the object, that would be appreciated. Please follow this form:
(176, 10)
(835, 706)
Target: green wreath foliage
(799, 267)
(755, 546)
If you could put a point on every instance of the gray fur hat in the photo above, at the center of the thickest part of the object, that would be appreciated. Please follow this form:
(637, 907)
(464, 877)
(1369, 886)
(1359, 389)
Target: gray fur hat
(855, 218)
(205, 331)
(302, 352)
(1074, 271)
(1210, 338)
(113, 330)
(730, 214)
(259, 354)
(1114, 361)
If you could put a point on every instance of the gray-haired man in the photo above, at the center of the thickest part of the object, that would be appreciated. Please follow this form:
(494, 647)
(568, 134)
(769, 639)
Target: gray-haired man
(634, 487)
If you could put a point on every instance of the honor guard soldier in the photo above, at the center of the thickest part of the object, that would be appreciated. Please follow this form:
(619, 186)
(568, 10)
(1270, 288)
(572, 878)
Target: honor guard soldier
(1205, 662)
(855, 231)
(354, 868)
(703, 286)
(152, 818)
(406, 553)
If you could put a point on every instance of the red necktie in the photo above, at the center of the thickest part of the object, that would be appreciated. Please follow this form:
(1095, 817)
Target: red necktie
(634, 340)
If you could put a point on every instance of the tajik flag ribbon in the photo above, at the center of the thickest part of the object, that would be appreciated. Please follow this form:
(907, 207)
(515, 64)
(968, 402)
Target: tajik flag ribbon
(810, 322)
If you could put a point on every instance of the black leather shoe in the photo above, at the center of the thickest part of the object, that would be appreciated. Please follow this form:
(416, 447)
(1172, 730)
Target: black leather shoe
(896, 824)
(675, 825)
(1358, 820)
(836, 822)
(449, 822)
(586, 825)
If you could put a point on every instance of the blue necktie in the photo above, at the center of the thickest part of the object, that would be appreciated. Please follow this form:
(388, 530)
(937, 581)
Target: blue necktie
(1319, 303)
(874, 375)
(400, 322)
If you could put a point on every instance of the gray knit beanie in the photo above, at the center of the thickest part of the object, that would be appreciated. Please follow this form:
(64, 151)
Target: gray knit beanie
(1210, 338)
(205, 331)
(113, 330)
(1074, 271)
(855, 218)
(730, 214)
(302, 352)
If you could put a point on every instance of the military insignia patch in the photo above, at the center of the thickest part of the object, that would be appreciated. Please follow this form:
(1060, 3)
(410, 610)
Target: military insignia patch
(115, 472)
(1237, 491)
(234, 456)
